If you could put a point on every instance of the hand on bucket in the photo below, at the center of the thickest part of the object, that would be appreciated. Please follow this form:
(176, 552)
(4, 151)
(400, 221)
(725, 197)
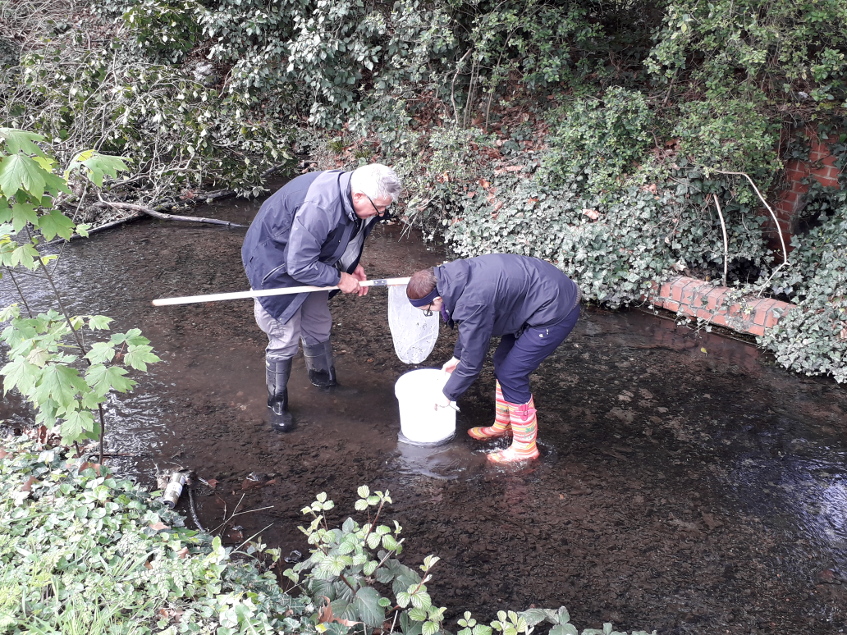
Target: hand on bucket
(443, 402)
(450, 366)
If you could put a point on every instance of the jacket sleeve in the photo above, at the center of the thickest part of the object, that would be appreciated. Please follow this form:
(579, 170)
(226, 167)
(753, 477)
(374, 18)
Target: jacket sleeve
(471, 347)
(310, 229)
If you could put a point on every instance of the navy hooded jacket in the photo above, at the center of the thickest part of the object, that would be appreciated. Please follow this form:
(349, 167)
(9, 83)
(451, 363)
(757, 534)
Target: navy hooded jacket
(298, 237)
(495, 295)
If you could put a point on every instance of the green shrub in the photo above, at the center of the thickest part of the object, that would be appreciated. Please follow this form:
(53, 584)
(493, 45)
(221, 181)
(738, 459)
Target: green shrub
(84, 551)
(599, 140)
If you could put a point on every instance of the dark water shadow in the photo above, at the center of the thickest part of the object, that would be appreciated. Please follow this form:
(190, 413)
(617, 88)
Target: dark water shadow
(685, 484)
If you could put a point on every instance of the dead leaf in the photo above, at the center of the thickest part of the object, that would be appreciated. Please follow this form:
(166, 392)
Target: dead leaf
(593, 214)
(182, 553)
(159, 526)
(213, 483)
(27, 487)
(325, 615)
(514, 168)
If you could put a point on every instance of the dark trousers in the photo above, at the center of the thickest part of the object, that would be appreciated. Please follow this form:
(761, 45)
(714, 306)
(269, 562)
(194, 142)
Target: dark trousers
(518, 356)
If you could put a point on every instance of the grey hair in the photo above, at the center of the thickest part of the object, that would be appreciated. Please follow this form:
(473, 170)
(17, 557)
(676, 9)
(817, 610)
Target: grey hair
(376, 180)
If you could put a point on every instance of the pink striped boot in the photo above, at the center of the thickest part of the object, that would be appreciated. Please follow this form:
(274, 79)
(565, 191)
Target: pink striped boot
(501, 427)
(524, 431)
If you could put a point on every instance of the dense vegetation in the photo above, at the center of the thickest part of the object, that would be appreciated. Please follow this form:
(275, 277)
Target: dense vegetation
(605, 136)
(621, 140)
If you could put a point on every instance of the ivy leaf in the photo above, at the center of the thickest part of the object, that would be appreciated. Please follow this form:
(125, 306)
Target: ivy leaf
(564, 629)
(139, 356)
(55, 223)
(102, 379)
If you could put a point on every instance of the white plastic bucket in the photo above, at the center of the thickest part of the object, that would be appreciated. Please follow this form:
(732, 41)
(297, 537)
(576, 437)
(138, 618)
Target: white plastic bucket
(420, 422)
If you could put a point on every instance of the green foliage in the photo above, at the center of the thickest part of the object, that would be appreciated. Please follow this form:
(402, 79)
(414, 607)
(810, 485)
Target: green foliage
(599, 141)
(47, 361)
(812, 338)
(82, 551)
(732, 48)
(730, 135)
(616, 249)
(180, 134)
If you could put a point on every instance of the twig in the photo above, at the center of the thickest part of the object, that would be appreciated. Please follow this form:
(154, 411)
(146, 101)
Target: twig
(193, 509)
(725, 240)
(765, 203)
(162, 215)
(238, 548)
(453, 86)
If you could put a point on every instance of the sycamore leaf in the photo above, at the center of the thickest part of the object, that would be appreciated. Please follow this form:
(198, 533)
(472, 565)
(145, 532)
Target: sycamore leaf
(101, 322)
(21, 214)
(18, 171)
(61, 384)
(102, 379)
(91, 400)
(96, 166)
(19, 374)
(25, 255)
(100, 352)
(21, 141)
(78, 425)
(139, 356)
(54, 223)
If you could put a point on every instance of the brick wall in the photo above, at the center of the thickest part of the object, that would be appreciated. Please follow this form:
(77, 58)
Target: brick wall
(699, 299)
(819, 166)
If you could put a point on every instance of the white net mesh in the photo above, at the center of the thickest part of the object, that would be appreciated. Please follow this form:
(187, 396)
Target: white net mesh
(413, 333)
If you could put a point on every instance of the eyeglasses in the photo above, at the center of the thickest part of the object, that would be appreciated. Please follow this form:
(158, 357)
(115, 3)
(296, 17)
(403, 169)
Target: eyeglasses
(428, 310)
(379, 212)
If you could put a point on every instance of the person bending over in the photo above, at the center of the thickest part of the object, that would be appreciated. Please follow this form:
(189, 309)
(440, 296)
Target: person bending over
(530, 304)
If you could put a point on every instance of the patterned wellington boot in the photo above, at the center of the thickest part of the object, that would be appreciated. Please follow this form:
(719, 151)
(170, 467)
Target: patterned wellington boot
(524, 431)
(501, 427)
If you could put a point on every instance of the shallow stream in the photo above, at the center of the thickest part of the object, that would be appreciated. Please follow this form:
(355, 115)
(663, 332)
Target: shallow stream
(686, 485)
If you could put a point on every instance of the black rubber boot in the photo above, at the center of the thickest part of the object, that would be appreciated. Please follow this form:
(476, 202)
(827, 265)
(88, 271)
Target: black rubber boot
(277, 372)
(319, 364)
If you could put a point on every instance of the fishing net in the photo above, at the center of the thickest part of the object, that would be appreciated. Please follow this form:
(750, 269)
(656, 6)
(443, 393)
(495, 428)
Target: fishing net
(413, 333)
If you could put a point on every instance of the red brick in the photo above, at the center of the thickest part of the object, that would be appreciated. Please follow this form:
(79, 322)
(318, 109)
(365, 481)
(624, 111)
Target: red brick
(760, 311)
(755, 329)
(829, 160)
(703, 314)
(690, 291)
(827, 181)
(665, 290)
(789, 196)
(719, 319)
(715, 297)
(670, 305)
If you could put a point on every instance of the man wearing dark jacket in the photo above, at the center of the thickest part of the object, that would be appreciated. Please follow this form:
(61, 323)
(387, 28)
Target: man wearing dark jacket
(530, 304)
(310, 232)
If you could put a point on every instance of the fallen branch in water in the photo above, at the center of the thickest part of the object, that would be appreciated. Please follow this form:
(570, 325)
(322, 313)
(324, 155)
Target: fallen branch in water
(161, 215)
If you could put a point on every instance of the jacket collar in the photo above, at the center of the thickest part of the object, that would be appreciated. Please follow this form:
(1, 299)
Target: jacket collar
(347, 196)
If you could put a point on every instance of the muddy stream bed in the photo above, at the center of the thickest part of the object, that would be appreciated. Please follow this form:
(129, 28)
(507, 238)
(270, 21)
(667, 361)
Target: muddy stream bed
(686, 485)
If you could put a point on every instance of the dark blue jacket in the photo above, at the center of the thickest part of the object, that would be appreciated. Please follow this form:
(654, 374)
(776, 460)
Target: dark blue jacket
(496, 295)
(298, 237)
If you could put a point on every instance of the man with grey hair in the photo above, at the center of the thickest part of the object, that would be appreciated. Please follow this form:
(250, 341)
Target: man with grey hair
(310, 232)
